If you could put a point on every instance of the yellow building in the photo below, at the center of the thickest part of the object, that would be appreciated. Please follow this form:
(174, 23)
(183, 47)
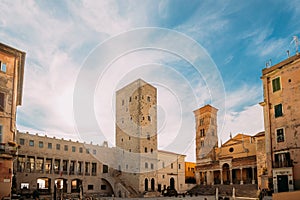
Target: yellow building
(190, 172)
(281, 84)
(11, 85)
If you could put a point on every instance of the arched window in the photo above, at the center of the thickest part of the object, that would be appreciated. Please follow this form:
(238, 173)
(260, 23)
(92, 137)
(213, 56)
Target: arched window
(152, 184)
(146, 184)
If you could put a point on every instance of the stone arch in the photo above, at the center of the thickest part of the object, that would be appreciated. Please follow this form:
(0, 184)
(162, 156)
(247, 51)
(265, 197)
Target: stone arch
(146, 184)
(172, 183)
(152, 184)
(226, 173)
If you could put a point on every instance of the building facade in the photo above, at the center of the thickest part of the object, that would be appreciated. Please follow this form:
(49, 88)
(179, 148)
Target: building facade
(61, 168)
(136, 135)
(11, 85)
(281, 87)
(190, 172)
(171, 171)
(234, 162)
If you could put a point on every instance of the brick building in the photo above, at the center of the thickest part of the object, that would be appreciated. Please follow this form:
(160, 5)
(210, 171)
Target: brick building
(11, 85)
(281, 87)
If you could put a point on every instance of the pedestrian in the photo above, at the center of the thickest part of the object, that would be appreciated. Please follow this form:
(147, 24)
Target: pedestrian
(36, 195)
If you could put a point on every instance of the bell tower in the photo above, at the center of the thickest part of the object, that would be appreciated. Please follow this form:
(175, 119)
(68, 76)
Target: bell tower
(206, 133)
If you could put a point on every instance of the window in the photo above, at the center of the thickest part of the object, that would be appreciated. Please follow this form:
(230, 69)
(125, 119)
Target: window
(149, 118)
(201, 122)
(122, 102)
(276, 84)
(282, 160)
(148, 137)
(2, 106)
(31, 143)
(202, 143)
(103, 187)
(105, 169)
(65, 166)
(129, 99)
(231, 149)
(40, 165)
(87, 151)
(179, 166)
(90, 187)
(148, 98)
(41, 144)
(280, 135)
(56, 166)
(73, 149)
(278, 110)
(66, 147)
(94, 151)
(80, 150)
(146, 165)
(24, 185)
(49, 145)
(21, 160)
(87, 168)
(171, 165)
(152, 166)
(146, 149)
(22, 141)
(0, 133)
(2, 66)
(202, 132)
(94, 169)
(57, 146)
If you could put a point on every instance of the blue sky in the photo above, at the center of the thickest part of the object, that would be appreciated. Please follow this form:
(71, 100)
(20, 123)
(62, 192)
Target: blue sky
(60, 38)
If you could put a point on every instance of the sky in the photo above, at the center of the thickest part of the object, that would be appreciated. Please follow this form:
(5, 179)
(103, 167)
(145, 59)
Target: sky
(79, 53)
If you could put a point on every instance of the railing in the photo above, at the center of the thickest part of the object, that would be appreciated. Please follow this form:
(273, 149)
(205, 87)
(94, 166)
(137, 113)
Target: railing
(287, 163)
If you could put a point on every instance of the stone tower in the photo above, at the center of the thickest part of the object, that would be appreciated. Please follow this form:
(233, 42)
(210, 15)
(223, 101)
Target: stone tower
(206, 133)
(136, 135)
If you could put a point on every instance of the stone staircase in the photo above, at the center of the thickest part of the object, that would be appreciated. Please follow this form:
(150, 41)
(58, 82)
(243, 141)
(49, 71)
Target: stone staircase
(246, 190)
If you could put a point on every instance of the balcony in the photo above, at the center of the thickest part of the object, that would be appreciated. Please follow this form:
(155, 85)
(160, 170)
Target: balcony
(287, 163)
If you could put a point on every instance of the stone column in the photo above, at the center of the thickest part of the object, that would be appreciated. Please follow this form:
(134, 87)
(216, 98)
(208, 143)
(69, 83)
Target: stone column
(52, 166)
(213, 177)
(44, 165)
(241, 176)
(230, 174)
(253, 179)
(221, 174)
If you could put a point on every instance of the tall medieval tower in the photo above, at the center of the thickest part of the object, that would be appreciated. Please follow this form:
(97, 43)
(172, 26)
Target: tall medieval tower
(136, 134)
(206, 133)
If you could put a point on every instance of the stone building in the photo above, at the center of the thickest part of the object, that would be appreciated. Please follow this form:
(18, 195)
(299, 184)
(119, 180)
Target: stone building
(134, 168)
(281, 87)
(136, 135)
(61, 167)
(11, 85)
(171, 171)
(234, 162)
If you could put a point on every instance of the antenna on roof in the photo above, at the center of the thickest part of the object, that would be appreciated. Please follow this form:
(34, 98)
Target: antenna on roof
(288, 53)
(296, 42)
